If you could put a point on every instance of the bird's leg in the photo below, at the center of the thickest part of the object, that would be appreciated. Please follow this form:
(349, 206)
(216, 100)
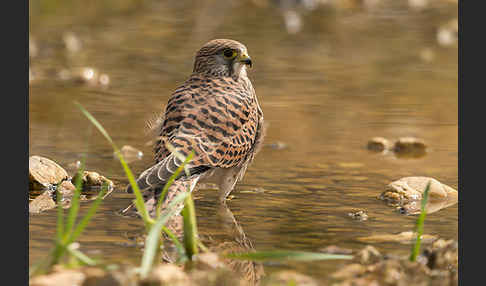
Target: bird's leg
(227, 183)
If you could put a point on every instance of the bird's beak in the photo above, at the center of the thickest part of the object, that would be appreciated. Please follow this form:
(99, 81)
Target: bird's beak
(244, 58)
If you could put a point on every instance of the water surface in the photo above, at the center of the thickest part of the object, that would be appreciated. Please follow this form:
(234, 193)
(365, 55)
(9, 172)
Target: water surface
(348, 75)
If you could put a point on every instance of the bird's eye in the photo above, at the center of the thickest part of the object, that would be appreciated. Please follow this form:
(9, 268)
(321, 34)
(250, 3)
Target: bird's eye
(229, 54)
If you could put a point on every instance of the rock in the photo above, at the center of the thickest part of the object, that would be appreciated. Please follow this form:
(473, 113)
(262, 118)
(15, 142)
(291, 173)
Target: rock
(349, 271)
(167, 274)
(367, 255)
(44, 173)
(333, 249)
(378, 144)
(207, 260)
(406, 237)
(289, 277)
(61, 278)
(406, 194)
(92, 180)
(442, 254)
(130, 153)
(358, 215)
(216, 277)
(42, 203)
(409, 147)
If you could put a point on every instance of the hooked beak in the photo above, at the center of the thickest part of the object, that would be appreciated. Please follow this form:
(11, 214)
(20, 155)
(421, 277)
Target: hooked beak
(244, 58)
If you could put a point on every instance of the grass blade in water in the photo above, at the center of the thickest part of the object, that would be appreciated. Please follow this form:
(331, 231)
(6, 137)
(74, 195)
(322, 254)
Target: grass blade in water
(280, 255)
(73, 210)
(420, 224)
(139, 203)
(190, 227)
(84, 222)
(153, 238)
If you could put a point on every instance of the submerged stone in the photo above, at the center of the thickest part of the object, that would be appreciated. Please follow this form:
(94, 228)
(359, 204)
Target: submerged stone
(406, 194)
(360, 215)
(409, 147)
(130, 153)
(378, 144)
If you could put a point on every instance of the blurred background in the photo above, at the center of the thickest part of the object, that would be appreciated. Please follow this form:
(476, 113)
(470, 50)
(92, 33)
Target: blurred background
(329, 75)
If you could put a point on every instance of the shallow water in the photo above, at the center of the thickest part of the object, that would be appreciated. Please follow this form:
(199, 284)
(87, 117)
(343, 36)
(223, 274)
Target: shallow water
(349, 74)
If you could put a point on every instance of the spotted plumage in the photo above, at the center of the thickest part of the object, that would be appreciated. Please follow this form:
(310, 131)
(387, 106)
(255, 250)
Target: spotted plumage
(214, 113)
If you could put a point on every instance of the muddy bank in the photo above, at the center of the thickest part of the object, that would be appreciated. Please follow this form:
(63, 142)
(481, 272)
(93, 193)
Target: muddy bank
(437, 265)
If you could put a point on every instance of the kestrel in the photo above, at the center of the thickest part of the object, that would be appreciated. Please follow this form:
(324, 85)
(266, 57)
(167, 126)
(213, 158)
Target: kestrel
(214, 113)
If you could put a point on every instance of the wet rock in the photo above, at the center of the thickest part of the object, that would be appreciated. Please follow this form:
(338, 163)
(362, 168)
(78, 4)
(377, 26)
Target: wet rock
(45, 173)
(349, 271)
(333, 249)
(207, 260)
(92, 180)
(130, 153)
(437, 267)
(47, 199)
(217, 277)
(409, 147)
(358, 215)
(378, 144)
(367, 255)
(167, 274)
(406, 237)
(442, 254)
(289, 277)
(59, 278)
(406, 194)
(42, 203)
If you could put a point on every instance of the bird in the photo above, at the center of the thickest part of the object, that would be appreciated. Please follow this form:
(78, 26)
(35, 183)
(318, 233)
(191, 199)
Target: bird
(216, 115)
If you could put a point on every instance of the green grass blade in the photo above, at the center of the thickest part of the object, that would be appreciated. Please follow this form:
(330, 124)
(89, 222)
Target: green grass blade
(280, 255)
(180, 248)
(171, 180)
(60, 217)
(74, 209)
(81, 256)
(190, 227)
(420, 225)
(152, 242)
(139, 203)
(84, 222)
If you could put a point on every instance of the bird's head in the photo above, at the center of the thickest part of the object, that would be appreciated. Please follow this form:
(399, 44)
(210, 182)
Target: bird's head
(222, 57)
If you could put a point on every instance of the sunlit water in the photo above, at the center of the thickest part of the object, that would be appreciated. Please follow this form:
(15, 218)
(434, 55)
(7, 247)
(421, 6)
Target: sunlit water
(348, 75)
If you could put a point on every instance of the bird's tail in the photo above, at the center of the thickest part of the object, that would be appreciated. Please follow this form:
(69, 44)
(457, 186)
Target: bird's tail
(157, 176)
(151, 196)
